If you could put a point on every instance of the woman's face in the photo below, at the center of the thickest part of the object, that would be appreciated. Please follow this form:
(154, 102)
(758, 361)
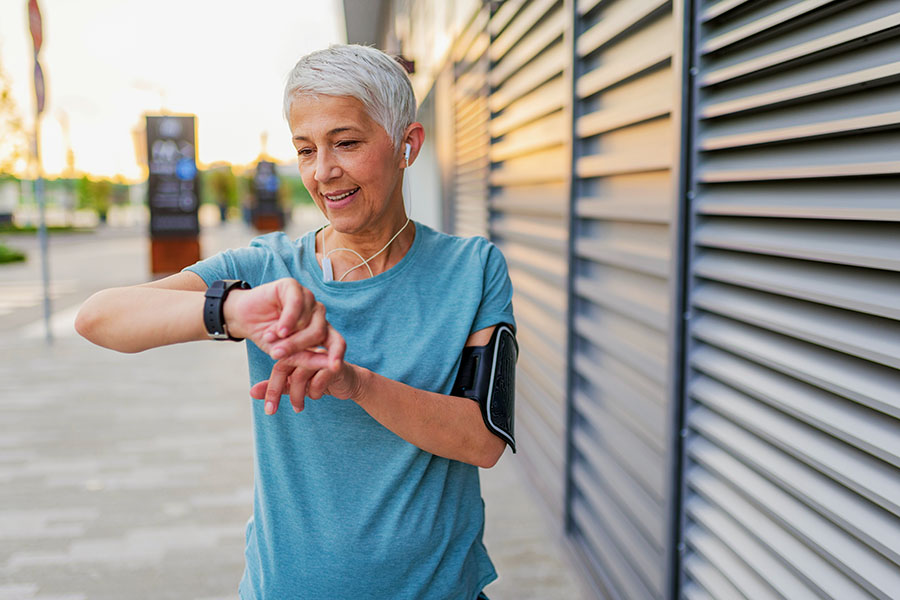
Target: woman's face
(347, 163)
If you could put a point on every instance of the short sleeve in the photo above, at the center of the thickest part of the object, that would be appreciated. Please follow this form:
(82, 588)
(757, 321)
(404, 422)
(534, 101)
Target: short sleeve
(241, 263)
(496, 298)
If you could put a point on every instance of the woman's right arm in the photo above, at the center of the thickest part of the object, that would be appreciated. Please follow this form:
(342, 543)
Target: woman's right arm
(136, 318)
(170, 311)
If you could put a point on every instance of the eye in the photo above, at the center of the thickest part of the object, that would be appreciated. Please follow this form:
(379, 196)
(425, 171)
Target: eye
(304, 152)
(347, 143)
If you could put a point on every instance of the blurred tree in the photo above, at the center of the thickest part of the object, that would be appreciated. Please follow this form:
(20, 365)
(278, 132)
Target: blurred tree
(94, 195)
(13, 137)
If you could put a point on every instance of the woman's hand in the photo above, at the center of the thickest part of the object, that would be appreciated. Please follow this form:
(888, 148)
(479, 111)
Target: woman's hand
(281, 317)
(309, 374)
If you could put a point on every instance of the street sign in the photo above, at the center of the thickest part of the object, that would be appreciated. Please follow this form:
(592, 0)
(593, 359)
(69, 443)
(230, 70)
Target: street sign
(34, 23)
(38, 85)
(172, 180)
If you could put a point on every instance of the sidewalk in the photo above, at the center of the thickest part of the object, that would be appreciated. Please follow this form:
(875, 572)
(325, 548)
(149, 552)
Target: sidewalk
(130, 476)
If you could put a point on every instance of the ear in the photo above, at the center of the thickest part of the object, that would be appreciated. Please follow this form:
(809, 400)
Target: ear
(412, 141)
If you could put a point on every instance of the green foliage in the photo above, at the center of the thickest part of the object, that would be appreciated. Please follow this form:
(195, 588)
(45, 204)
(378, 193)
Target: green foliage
(220, 186)
(8, 255)
(295, 190)
(14, 143)
(95, 195)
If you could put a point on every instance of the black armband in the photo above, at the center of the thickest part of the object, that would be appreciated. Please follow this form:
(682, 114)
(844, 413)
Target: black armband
(487, 375)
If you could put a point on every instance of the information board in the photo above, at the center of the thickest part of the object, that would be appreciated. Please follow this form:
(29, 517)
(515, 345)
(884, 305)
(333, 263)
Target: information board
(172, 186)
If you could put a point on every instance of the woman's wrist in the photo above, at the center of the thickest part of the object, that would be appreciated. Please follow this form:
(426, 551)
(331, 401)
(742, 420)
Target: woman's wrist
(364, 381)
(232, 315)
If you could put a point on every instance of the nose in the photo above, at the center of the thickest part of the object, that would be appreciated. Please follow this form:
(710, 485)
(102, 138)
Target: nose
(326, 166)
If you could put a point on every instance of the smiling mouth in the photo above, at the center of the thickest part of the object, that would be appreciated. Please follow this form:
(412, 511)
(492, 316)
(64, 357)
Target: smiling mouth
(339, 197)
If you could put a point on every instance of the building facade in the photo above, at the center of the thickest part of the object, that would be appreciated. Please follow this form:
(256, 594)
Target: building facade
(699, 203)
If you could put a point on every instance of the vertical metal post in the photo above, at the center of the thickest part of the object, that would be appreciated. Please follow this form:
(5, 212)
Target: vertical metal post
(570, 73)
(42, 225)
(683, 66)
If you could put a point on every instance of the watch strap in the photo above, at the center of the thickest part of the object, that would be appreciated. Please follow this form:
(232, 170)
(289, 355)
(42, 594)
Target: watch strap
(214, 308)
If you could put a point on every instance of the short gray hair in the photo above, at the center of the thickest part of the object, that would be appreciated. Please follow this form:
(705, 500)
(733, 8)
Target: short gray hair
(367, 74)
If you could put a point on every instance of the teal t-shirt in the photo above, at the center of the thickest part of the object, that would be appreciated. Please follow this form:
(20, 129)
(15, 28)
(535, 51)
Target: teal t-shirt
(344, 508)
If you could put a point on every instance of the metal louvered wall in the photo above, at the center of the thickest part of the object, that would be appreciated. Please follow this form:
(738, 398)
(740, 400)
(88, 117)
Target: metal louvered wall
(625, 150)
(530, 165)
(792, 456)
(472, 164)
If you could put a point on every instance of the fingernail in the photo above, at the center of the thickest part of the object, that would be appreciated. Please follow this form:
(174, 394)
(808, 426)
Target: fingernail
(277, 352)
(283, 331)
(270, 408)
(269, 337)
(296, 409)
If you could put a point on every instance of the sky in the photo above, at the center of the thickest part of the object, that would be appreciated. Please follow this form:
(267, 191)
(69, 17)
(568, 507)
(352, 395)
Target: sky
(107, 62)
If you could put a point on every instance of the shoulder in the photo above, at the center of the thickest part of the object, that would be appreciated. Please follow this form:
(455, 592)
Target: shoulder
(475, 250)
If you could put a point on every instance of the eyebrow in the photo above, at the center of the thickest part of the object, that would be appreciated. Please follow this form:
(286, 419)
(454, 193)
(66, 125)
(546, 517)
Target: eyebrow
(334, 131)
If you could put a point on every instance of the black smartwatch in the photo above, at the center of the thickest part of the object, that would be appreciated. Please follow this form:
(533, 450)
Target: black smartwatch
(214, 308)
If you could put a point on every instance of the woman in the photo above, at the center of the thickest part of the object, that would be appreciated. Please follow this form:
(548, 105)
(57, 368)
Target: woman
(372, 490)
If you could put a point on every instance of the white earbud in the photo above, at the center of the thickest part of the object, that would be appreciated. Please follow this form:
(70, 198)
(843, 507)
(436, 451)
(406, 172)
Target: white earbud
(406, 154)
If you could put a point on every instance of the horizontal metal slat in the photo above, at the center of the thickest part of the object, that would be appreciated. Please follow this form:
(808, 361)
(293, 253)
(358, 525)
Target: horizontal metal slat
(639, 414)
(537, 136)
(714, 10)
(545, 67)
(717, 539)
(548, 445)
(529, 47)
(859, 471)
(875, 153)
(530, 318)
(638, 298)
(864, 520)
(520, 26)
(593, 462)
(539, 470)
(470, 34)
(552, 410)
(646, 50)
(640, 461)
(871, 432)
(771, 549)
(856, 34)
(585, 6)
(646, 211)
(764, 24)
(505, 13)
(551, 236)
(628, 586)
(653, 107)
(794, 94)
(706, 580)
(865, 383)
(832, 328)
(873, 245)
(625, 536)
(629, 341)
(869, 291)
(532, 282)
(616, 21)
(857, 562)
(620, 253)
(855, 125)
(873, 200)
(543, 101)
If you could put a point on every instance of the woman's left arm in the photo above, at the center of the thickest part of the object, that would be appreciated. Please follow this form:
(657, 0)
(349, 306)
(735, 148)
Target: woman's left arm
(448, 426)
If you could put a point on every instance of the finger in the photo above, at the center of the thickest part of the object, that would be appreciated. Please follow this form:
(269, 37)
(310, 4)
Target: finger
(292, 297)
(319, 383)
(258, 391)
(277, 381)
(336, 346)
(311, 360)
(297, 390)
(313, 335)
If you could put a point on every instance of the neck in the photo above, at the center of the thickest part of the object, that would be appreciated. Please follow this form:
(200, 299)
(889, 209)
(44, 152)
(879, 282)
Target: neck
(352, 255)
